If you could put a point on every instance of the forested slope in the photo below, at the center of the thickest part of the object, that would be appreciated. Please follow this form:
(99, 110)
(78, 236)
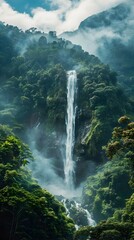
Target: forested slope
(33, 89)
(109, 193)
(26, 210)
(33, 96)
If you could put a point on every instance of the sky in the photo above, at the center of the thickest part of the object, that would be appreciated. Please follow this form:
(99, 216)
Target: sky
(47, 15)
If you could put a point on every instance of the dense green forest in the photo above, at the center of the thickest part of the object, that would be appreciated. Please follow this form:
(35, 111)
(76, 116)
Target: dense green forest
(107, 191)
(33, 83)
(26, 210)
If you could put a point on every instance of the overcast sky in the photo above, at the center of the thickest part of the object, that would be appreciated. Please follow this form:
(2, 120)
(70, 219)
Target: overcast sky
(46, 15)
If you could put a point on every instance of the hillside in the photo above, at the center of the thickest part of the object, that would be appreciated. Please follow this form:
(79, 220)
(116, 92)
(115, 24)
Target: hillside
(33, 91)
(26, 210)
(107, 18)
(34, 104)
(109, 193)
(109, 35)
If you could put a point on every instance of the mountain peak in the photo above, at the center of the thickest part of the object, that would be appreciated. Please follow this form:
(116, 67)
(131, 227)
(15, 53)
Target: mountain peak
(105, 18)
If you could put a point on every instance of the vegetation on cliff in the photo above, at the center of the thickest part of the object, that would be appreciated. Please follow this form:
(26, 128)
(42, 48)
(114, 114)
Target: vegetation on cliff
(33, 90)
(109, 194)
(26, 210)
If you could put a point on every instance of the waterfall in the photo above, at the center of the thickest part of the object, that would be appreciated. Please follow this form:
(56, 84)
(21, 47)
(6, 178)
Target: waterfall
(70, 128)
(90, 221)
(80, 215)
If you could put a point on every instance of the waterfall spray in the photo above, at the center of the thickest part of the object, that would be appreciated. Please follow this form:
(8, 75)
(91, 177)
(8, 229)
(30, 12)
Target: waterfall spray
(70, 128)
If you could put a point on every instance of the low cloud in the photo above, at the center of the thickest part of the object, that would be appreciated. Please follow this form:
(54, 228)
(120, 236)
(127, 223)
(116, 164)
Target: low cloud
(100, 39)
(90, 40)
(9, 16)
(64, 16)
(45, 20)
(83, 10)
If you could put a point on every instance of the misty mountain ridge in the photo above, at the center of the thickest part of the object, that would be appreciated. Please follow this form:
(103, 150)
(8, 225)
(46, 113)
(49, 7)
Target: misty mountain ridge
(107, 18)
(104, 19)
(109, 35)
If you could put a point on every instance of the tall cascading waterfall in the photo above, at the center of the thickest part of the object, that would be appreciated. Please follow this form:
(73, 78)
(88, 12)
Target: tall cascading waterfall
(70, 128)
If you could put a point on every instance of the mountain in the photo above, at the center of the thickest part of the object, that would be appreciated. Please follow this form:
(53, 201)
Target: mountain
(35, 87)
(109, 35)
(33, 93)
(113, 20)
(107, 18)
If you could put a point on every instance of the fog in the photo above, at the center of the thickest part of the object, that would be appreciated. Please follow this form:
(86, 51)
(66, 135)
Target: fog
(49, 171)
(104, 34)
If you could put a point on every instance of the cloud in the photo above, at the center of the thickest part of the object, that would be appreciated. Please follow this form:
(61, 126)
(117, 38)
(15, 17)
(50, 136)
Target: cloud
(60, 4)
(84, 9)
(64, 16)
(46, 20)
(9, 16)
(112, 40)
(93, 38)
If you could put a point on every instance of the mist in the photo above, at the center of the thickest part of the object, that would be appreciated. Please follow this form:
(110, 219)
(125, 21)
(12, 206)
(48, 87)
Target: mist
(108, 35)
(47, 168)
(62, 15)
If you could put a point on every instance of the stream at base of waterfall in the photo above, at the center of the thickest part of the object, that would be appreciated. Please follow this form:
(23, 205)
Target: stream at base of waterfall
(77, 212)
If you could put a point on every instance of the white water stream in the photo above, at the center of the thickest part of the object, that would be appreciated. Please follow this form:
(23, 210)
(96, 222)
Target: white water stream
(81, 216)
(70, 128)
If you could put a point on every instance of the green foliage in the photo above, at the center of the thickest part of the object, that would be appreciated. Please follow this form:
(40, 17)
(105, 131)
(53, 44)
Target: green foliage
(6, 52)
(122, 143)
(110, 235)
(34, 84)
(26, 210)
(12, 150)
(100, 103)
(124, 120)
(122, 138)
(33, 87)
(106, 231)
(108, 190)
(126, 214)
(83, 233)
